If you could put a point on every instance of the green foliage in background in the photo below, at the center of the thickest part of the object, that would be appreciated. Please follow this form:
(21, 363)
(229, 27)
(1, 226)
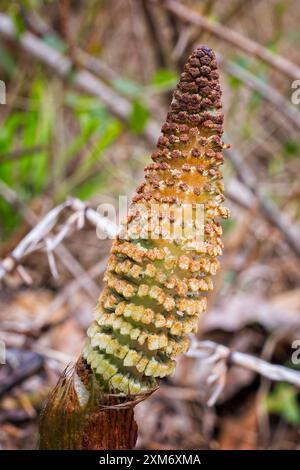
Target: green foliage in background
(52, 141)
(283, 401)
(164, 80)
(42, 165)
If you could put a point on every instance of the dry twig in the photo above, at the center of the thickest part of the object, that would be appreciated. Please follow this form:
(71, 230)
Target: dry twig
(265, 90)
(234, 38)
(38, 239)
(221, 357)
(276, 217)
(83, 79)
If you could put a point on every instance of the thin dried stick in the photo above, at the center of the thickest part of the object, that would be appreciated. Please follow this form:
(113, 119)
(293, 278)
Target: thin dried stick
(83, 79)
(11, 262)
(221, 357)
(155, 33)
(234, 38)
(38, 238)
(265, 90)
(277, 218)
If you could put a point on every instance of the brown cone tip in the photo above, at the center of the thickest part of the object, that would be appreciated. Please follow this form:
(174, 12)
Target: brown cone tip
(198, 94)
(191, 134)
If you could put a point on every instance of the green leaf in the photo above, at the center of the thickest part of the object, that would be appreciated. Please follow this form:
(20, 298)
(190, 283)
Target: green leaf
(106, 138)
(110, 134)
(228, 225)
(91, 186)
(230, 277)
(18, 23)
(8, 130)
(128, 87)
(283, 401)
(234, 82)
(280, 8)
(164, 79)
(78, 143)
(87, 107)
(55, 42)
(138, 117)
(291, 148)
(242, 61)
(9, 219)
(7, 61)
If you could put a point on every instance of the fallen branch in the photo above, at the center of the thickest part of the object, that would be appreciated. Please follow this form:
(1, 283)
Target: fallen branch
(24, 364)
(83, 79)
(67, 259)
(154, 33)
(263, 89)
(220, 358)
(192, 34)
(38, 238)
(234, 38)
(276, 217)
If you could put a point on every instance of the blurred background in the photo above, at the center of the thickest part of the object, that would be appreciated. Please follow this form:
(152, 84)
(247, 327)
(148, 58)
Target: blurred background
(84, 89)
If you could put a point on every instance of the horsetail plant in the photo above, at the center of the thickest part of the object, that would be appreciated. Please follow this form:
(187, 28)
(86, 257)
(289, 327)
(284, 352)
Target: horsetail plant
(158, 275)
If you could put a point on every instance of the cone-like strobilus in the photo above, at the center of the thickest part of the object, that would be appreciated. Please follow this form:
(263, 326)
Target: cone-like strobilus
(157, 278)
